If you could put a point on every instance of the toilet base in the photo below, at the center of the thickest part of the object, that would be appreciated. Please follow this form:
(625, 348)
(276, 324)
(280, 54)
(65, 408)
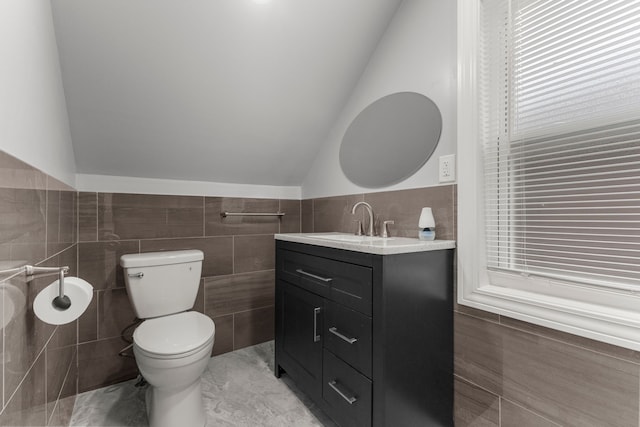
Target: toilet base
(171, 408)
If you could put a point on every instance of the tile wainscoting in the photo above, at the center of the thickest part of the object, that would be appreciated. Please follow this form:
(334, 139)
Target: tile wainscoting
(38, 227)
(237, 286)
(506, 372)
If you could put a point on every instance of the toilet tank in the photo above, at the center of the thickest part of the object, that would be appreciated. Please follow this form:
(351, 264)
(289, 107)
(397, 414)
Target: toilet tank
(162, 283)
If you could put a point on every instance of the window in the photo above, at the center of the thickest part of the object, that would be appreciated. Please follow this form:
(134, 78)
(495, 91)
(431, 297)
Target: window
(549, 135)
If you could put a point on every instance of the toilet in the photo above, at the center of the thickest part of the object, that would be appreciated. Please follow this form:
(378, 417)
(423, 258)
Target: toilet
(172, 345)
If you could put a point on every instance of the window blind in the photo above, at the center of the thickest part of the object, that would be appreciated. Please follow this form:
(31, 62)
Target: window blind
(560, 114)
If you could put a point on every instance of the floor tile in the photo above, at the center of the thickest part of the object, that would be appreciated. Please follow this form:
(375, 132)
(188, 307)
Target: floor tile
(239, 389)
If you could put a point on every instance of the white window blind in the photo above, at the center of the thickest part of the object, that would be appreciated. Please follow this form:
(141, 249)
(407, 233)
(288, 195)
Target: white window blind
(560, 113)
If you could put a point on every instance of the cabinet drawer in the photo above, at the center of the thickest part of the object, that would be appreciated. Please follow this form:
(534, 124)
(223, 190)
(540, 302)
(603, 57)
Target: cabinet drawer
(347, 334)
(346, 391)
(305, 271)
(348, 284)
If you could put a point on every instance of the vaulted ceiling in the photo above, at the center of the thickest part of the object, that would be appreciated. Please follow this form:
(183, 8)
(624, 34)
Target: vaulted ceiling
(237, 91)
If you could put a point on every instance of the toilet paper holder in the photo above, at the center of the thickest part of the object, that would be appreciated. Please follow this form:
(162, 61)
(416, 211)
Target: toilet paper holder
(61, 302)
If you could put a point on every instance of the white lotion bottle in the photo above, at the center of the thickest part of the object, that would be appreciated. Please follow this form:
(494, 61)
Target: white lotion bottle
(426, 225)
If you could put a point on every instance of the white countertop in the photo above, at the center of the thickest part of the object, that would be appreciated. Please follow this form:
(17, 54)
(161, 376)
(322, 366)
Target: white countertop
(371, 245)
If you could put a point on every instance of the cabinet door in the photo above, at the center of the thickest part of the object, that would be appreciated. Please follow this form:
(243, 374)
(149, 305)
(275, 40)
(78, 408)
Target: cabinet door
(300, 336)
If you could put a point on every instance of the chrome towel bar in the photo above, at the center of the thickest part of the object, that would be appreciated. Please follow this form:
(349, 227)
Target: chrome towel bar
(226, 214)
(32, 271)
(62, 301)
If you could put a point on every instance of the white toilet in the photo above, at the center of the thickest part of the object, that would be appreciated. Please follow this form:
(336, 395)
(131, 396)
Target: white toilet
(173, 345)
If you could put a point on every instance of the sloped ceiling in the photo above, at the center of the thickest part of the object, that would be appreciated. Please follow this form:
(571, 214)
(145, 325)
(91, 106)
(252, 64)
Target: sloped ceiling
(236, 91)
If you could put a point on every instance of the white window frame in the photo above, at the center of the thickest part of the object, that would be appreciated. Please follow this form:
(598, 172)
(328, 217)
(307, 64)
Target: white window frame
(610, 315)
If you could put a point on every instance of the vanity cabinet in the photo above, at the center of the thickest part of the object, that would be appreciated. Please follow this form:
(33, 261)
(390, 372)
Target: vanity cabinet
(368, 337)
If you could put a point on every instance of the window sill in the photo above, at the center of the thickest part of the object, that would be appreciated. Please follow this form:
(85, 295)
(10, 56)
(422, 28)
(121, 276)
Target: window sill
(615, 326)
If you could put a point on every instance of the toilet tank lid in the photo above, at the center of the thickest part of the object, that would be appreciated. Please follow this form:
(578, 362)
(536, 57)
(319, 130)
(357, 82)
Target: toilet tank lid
(148, 259)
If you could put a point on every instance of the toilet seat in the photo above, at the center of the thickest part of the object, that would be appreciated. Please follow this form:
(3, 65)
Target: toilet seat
(174, 336)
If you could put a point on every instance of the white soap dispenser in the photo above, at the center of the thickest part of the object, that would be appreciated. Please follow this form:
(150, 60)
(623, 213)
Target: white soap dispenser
(426, 225)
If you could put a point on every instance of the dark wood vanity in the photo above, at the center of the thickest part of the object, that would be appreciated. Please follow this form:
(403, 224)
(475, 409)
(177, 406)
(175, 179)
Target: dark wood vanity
(368, 337)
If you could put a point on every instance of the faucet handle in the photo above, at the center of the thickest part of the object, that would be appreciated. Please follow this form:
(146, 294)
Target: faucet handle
(359, 227)
(385, 230)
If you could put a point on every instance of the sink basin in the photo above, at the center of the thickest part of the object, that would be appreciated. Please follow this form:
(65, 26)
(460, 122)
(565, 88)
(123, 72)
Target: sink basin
(352, 238)
(372, 245)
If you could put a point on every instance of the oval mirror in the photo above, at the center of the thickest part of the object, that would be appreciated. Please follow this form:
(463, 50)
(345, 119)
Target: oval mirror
(390, 139)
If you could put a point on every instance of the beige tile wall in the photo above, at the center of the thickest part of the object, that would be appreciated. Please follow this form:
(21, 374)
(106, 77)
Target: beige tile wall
(507, 372)
(403, 207)
(237, 288)
(37, 226)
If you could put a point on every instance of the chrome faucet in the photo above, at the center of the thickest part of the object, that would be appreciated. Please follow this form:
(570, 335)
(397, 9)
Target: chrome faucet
(370, 231)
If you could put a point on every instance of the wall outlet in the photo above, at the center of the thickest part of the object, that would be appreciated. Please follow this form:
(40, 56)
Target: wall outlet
(447, 168)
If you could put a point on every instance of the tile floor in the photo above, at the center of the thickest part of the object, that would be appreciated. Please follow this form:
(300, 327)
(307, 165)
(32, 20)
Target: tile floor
(239, 390)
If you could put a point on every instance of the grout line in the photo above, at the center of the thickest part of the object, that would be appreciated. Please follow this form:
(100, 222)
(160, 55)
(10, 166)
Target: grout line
(537, 414)
(4, 339)
(97, 315)
(64, 381)
(35, 360)
(575, 345)
(468, 381)
(59, 216)
(100, 339)
(495, 322)
(54, 255)
(53, 411)
(77, 368)
(97, 221)
(78, 258)
(77, 216)
(247, 311)
(46, 218)
(233, 255)
(242, 273)
(46, 379)
(204, 296)
(178, 238)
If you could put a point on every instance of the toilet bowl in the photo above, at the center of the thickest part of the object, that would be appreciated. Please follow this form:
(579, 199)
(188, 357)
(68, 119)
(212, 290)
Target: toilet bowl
(173, 345)
(172, 352)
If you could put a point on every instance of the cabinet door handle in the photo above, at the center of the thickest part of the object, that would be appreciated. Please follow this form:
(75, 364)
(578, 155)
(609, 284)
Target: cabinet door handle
(316, 336)
(350, 399)
(335, 332)
(314, 276)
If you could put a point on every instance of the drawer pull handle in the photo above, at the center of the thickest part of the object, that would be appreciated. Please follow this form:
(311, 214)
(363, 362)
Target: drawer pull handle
(324, 279)
(334, 385)
(335, 332)
(316, 336)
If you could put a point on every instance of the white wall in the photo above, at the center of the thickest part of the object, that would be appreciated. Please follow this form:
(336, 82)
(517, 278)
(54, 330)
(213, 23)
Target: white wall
(34, 126)
(136, 185)
(417, 53)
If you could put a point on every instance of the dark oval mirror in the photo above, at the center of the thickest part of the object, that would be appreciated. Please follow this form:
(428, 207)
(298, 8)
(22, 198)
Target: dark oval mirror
(390, 139)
